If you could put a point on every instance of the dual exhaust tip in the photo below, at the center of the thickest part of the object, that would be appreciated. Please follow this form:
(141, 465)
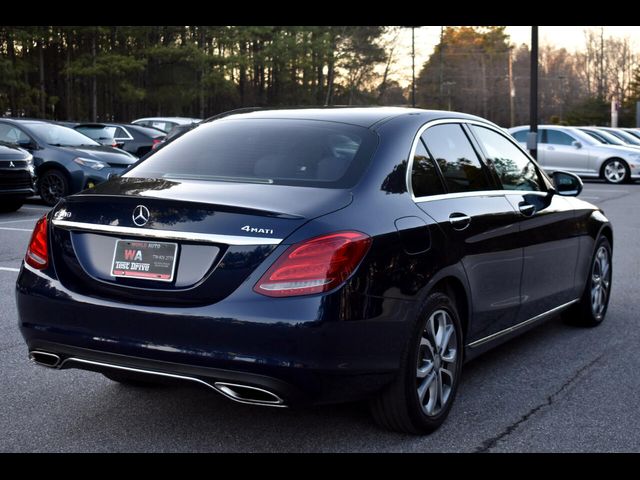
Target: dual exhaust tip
(234, 391)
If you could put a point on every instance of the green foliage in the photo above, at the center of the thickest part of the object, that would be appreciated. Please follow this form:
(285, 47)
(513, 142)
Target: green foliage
(591, 111)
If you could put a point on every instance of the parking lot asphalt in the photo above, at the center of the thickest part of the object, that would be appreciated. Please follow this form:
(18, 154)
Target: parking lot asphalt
(555, 389)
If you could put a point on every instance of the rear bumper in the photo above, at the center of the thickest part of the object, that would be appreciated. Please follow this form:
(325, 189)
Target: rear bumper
(296, 348)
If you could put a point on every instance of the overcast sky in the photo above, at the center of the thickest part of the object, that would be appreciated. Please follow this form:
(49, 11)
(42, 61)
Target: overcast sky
(572, 38)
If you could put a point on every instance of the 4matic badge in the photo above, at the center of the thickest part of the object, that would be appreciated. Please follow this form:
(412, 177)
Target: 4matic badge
(250, 229)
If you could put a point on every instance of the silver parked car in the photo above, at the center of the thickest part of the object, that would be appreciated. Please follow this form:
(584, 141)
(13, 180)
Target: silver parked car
(569, 149)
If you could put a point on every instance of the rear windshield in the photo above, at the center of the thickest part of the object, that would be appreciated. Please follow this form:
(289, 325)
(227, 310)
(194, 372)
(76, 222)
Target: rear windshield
(284, 152)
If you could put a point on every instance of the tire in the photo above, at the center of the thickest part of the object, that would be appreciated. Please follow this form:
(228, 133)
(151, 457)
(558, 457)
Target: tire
(419, 399)
(11, 206)
(616, 171)
(52, 186)
(592, 308)
(131, 379)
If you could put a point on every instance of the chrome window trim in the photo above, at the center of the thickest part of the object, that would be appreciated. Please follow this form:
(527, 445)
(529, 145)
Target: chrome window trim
(477, 193)
(167, 234)
(518, 326)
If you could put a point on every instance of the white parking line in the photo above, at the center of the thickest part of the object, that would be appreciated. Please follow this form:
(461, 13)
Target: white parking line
(40, 209)
(9, 269)
(18, 221)
(602, 190)
(17, 229)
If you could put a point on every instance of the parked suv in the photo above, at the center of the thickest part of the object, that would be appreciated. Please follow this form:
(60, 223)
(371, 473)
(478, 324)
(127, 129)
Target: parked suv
(568, 148)
(66, 161)
(17, 179)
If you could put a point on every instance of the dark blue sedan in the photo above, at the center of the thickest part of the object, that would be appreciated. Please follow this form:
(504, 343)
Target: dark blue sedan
(66, 161)
(291, 257)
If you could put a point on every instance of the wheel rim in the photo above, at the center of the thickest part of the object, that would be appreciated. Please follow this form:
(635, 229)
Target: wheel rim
(600, 282)
(437, 361)
(51, 188)
(615, 171)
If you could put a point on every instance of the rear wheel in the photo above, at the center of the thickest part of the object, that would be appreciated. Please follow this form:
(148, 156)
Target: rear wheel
(419, 399)
(53, 186)
(11, 205)
(592, 308)
(616, 171)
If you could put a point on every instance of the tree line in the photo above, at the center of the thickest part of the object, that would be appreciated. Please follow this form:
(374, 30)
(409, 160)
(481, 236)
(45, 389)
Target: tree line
(122, 72)
(118, 73)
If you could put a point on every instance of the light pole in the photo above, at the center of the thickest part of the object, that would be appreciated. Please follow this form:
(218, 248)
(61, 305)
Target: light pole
(532, 140)
(413, 67)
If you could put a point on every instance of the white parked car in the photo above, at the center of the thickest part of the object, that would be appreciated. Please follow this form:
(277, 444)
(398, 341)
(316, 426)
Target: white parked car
(165, 123)
(569, 149)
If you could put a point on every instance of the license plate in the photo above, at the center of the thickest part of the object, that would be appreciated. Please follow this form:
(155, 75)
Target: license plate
(145, 260)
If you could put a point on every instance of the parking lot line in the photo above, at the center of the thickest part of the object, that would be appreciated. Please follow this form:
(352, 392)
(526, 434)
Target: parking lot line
(40, 209)
(17, 221)
(9, 269)
(17, 229)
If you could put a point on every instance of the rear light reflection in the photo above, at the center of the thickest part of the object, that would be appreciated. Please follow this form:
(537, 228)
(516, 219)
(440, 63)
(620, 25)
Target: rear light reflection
(38, 252)
(315, 265)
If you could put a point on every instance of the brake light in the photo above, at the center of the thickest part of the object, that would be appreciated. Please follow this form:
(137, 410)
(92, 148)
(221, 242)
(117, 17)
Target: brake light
(155, 143)
(38, 252)
(315, 265)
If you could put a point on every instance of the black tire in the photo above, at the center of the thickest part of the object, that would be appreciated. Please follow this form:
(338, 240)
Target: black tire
(52, 186)
(584, 313)
(619, 166)
(131, 379)
(399, 407)
(11, 205)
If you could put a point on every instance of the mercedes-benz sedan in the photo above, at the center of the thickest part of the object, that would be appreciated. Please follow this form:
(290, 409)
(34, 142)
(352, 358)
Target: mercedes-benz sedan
(290, 257)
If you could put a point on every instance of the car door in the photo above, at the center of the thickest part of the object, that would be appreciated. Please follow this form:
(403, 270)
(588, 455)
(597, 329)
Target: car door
(547, 226)
(478, 221)
(561, 151)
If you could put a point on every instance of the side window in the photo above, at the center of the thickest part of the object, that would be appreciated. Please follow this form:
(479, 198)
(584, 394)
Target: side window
(424, 175)
(11, 134)
(521, 136)
(120, 134)
(456, 158)
(556, 137)
(514, 170)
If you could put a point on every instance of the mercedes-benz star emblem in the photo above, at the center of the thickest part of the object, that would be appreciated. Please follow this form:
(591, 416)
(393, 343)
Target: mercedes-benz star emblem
(141, 215)
(11, 164)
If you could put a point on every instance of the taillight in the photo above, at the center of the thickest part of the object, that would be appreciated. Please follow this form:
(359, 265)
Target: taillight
(155, 143)
(38, 252)
(315, 265)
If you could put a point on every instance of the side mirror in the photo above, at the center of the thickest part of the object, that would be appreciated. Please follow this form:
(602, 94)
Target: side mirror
(577, 144)
(567, 184)
(26, 144)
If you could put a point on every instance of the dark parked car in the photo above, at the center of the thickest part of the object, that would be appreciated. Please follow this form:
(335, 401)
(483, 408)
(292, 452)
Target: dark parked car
(99, 132)
(315, 256)
(66, 161)
(17, 179)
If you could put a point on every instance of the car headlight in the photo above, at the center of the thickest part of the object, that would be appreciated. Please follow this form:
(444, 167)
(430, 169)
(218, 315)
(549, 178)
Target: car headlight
(86, 162)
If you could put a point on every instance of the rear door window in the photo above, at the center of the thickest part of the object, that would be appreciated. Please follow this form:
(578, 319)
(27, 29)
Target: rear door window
(458, 162)
(425, 179)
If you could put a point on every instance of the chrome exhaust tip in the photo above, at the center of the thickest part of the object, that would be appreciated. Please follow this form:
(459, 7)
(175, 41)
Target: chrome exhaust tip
(247, 394)
(44, 359)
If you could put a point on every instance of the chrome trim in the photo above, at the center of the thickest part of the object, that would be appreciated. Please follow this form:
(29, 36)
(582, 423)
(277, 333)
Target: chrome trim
(485, 193)
(167, 234)
(227, 390)
(513, 328)
(178, 377)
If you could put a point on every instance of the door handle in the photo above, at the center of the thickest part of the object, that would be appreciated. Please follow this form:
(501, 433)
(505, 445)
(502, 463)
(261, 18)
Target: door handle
(527, 209)
(550, 148)
(459, 221)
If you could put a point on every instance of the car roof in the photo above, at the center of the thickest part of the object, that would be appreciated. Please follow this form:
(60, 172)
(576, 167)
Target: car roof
(362, 116)
(168, 119)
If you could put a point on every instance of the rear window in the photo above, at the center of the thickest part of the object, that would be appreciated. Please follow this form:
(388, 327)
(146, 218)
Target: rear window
(98, 133)
(284, 152)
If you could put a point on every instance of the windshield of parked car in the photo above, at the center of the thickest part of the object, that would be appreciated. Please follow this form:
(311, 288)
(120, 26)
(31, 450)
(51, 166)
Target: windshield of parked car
(627, 138)
(98, 133)
(60, 136)
(270, 151)
(603, 137)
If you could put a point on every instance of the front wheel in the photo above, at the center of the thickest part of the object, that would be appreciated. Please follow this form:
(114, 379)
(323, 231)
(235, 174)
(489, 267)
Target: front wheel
(616, 171)
(53, 186)
(592, 307)
(419, 399)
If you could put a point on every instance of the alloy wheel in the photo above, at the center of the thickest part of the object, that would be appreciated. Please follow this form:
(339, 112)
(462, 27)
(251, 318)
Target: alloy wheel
(615, 171)
(600, 281)
(437, 358)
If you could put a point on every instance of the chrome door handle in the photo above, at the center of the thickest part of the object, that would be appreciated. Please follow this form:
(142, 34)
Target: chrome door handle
(459, 221)
(527, 209)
